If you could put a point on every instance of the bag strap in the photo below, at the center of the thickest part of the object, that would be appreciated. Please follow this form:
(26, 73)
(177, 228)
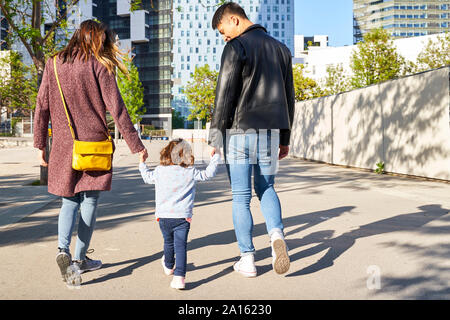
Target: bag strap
(62, 97)
(65, 106)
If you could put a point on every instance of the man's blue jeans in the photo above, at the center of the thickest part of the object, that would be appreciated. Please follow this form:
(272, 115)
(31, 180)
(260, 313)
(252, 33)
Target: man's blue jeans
(175, 233)
(257, 152)
(87, 202)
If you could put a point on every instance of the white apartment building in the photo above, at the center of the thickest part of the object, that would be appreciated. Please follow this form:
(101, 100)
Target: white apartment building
(195, 43)
(169, 38)
(318, 59)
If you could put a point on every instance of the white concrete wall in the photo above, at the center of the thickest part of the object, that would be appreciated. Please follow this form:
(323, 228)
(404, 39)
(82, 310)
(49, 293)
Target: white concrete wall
(191, 135)
(404, 123)
(311, 135)
(416, 124)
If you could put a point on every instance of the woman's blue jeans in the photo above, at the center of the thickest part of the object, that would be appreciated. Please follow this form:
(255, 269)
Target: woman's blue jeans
(257, 152)
(175, 233)
(87, 202)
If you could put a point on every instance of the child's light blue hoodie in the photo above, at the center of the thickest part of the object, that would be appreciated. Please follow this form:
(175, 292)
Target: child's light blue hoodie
(175, 187)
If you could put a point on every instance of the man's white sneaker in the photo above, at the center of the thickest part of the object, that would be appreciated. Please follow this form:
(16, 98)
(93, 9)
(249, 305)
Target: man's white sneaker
(177, 283)
(167, 271)
(280, 257)
(246, 266)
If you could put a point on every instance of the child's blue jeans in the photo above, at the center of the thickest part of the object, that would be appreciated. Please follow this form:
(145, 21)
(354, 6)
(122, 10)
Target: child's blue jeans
(175, 233)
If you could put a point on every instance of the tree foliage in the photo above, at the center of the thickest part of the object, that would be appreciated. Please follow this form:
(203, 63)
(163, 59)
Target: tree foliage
(200, 92)
(435, 54)
(26, 19)
(177, 120)
(305, 88)
(132, 91)
(375, 59)
(18, 89)
(336, 80)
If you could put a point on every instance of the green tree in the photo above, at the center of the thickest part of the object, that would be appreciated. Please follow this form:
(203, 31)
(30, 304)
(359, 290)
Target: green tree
(132, 91)
(177, 120)
(336, 80)
(201, 92)
(305, 88)
(375, 59)
(18, 88)
(435, 54)
(26, 19)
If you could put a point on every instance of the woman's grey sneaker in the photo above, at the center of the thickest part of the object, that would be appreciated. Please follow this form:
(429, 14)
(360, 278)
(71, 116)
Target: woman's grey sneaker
(88, 265)
(64, 260)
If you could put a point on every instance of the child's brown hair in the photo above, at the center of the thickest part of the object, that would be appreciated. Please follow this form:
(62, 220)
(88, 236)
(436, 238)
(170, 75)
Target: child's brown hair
(173, 155)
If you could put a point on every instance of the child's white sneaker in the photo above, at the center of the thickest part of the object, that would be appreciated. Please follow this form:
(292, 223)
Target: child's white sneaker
(177, 283)
(246, 266)
(280, 257)
(167, 271)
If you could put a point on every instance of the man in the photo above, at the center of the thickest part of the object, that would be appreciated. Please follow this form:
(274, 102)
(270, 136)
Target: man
(254, 109)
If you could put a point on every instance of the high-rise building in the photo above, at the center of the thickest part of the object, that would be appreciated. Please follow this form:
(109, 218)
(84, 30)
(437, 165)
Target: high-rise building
(196, 44)
(3, 32)
(401, 18)
(169, 38)
(147, 33)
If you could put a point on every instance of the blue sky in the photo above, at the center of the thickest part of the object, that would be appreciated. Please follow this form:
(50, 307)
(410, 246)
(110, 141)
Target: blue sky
(330, 17)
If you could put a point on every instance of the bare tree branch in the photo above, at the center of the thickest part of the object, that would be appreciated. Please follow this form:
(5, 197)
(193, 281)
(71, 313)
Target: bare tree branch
(16, 29)
(58, 21)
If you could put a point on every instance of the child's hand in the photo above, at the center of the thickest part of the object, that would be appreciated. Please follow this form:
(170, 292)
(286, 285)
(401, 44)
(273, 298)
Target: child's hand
(214, 151)
(143, 155)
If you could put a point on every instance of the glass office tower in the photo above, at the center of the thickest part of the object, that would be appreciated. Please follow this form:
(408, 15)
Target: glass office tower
(401, 18)
(147, 32)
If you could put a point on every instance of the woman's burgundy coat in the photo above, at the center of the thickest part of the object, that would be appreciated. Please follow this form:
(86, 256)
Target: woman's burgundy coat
(89, 90)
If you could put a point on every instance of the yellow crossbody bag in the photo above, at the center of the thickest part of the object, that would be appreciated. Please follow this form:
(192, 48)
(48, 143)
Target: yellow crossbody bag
(88, 155)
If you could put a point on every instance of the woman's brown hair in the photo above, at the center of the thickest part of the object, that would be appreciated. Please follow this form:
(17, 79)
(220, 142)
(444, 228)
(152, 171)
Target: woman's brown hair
(88, 40)
(173, 155)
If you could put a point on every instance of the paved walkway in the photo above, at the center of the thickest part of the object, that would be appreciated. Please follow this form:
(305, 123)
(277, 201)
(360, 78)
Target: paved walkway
(351, 235)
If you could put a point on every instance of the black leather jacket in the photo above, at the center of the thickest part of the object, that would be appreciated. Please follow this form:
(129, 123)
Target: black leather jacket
(255, 87)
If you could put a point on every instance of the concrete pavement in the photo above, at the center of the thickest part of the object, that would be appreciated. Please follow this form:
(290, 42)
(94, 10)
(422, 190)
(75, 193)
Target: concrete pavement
(351, 235)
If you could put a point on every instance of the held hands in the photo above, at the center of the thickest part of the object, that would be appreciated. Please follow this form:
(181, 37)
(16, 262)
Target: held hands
(143, 155)
(213, 151)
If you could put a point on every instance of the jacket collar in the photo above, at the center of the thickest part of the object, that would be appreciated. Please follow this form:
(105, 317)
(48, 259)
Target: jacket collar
(253, 27)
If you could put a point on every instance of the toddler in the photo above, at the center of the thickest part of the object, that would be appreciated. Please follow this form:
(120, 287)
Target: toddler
(174, 181)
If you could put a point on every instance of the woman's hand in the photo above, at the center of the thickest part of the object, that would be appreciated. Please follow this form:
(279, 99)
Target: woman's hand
(41, 157)
(143, 155)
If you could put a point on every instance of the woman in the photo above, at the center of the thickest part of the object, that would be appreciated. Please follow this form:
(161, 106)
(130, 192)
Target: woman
(86, 71)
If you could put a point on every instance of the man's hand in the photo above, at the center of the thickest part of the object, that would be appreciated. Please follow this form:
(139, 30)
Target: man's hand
(213, 151)
(41, 157)
(143, 155)
(284, 151)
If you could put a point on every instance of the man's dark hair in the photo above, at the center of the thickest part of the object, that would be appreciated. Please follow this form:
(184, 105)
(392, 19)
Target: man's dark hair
(227, 8)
